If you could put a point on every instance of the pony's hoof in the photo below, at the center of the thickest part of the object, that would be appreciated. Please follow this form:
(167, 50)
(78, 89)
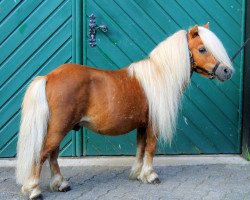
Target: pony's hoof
(36, 194)
(66, 189)
(156, 181)
(59, 184)
(151, 178)
(39, 197)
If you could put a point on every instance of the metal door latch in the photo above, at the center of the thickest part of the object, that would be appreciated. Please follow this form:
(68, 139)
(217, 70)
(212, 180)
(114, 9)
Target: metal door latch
(93, 27)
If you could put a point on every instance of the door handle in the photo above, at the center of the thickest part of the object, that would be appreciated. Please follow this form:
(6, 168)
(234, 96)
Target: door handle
(93, 28)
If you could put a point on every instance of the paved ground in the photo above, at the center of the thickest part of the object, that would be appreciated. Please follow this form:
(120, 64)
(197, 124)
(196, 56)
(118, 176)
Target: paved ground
(184, 178)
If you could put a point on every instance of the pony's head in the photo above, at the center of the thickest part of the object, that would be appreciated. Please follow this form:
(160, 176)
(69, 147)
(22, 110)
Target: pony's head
(208, 56)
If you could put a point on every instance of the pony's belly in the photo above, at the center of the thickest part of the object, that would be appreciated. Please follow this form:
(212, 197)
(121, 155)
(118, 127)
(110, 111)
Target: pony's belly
(114, 126)
(111, 132)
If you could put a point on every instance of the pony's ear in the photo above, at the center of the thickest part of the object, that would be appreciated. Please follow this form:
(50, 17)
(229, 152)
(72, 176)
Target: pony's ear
(193, 32)
(206, 25)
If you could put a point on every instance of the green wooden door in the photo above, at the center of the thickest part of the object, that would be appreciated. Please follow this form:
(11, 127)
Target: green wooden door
(210, 119)
(35, 37)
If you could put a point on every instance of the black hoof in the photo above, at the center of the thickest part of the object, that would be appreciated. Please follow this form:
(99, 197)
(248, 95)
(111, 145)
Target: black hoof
(39, 197)
(156, 181)
(66, 189)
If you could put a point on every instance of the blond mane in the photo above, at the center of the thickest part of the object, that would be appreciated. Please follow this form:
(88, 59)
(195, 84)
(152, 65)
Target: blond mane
(163, 76)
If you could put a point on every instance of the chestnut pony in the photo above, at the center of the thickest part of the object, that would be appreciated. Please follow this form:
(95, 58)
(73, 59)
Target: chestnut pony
(144, 96)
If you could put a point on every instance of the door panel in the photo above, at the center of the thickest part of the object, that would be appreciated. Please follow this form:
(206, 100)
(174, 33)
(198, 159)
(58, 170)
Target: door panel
(210, 118)
(36, 37)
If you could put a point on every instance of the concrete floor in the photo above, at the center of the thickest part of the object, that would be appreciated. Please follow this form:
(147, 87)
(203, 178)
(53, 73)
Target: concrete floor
(182, 177)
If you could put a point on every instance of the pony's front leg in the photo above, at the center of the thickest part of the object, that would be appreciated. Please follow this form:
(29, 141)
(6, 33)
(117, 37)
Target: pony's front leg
(148, 175)
(141, 143)
(57, 183)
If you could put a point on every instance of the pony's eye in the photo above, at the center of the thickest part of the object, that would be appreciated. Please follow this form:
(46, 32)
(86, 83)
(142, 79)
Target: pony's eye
(202, 50)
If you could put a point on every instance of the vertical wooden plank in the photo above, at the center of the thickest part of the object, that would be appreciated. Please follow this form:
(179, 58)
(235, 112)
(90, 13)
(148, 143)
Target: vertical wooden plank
(242, 62)
(84, 32)
(246, 90)
(84, 56)
(77, 16)
(74, 58)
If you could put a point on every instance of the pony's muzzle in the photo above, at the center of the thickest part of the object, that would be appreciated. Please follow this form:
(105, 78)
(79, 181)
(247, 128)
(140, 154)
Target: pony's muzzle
(223, 73)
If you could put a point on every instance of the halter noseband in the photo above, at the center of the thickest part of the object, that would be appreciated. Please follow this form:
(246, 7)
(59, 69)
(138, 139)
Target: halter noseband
(195, 67)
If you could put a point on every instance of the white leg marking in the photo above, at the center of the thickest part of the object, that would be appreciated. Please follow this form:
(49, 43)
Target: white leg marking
(29, 185)
(147, 174)
(137, 166)
(135, 170)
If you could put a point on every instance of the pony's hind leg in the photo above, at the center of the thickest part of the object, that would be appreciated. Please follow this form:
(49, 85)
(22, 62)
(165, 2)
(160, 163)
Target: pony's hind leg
(148, 174)
(31, 186)
(50, 147)
(141, 143)
(57, 183)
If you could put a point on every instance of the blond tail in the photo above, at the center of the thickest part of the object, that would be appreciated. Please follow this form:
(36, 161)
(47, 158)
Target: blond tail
(33, 129)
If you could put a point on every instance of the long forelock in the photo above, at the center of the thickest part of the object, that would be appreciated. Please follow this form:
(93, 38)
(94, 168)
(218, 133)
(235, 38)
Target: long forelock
(214, 46)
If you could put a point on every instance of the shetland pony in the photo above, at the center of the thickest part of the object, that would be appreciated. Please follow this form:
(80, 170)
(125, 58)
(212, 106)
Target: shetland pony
(144, 96)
